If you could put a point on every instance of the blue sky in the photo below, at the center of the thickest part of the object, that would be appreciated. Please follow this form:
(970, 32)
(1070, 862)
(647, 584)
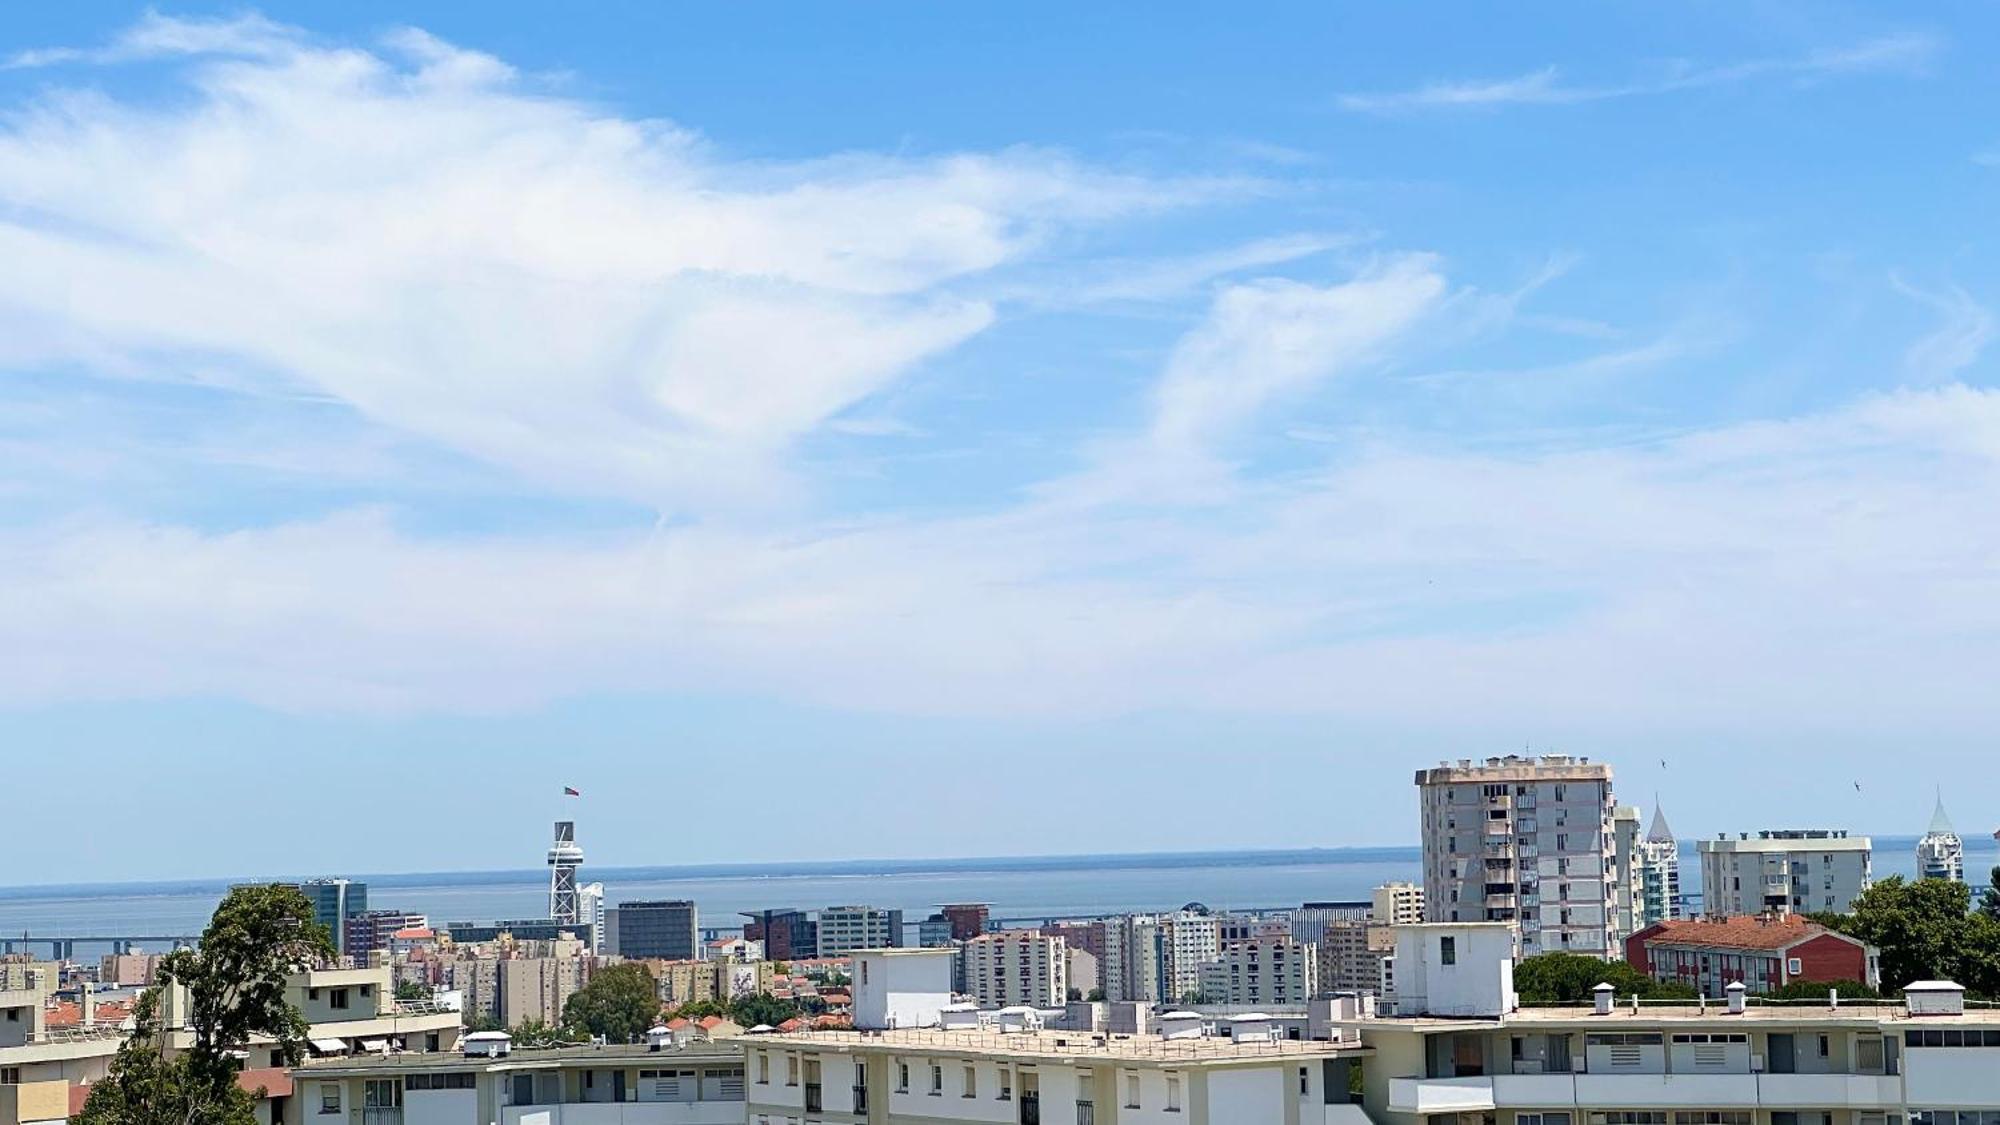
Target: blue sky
(1075, 430)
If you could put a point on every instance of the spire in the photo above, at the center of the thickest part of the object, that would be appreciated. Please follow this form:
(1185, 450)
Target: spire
(1658, 832)
(1940, 823)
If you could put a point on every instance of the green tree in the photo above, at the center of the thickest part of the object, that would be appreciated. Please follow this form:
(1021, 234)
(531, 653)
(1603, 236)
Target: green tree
(538, 1033)
(234, 988)
(1923, 929)
(411, 990)
(1989, 900)
(619, 1003)
(700, 1010)
(761, 1007)
(1572, 978)
(1817, 990)
(1095, 995)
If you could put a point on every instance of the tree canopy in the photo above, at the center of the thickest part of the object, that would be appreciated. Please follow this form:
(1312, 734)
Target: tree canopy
(762, 1007)
(1572, 978)
(234, 986)
(1926, 930)
(1817, 990)
(619, 1003)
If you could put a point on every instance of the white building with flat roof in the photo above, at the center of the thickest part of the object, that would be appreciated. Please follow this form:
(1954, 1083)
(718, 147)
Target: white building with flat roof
(1526, 841)
(978, 1076)
(1262, 971)
(1783, 871)
(901, 987)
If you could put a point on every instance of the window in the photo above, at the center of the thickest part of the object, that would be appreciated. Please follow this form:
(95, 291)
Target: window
(1447, 951)
(902, 1078)
(1174, 1093)
(1630, 1117)
(337, 998)
(937, 1080)
(1712, 1117)
(1006, 1084)
(791, 1070)
(1305, 1083)
(971, 1082)
(763, 1069)
(1131, 1091)
(329, 1097)
(10, 1076)
(458, 1081)
(1541, 1119)
(381, 1093)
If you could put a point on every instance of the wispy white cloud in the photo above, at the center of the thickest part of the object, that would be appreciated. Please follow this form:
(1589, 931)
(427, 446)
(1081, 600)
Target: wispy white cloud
(1941, 355)
(598, 303)
(1906, 51)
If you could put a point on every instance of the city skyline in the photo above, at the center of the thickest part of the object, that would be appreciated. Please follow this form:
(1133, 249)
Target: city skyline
(401, 395)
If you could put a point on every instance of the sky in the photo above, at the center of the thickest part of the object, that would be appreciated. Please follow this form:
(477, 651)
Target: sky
(921, 430)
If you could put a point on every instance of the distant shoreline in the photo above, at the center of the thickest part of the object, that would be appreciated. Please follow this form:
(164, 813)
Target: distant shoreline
(806, 869)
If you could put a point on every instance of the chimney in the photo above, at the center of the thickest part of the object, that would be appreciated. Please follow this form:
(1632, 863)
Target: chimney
(1833, 998)
(86, 1006)
(1737, 992)
(1601, 999)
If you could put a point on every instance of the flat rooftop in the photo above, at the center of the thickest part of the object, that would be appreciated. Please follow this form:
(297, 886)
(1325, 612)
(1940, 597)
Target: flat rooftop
(1057, 1046)
(1582, 1017)
(729, 1053)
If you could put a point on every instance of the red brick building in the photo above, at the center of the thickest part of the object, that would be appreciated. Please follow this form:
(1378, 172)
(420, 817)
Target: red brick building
(1765, 953)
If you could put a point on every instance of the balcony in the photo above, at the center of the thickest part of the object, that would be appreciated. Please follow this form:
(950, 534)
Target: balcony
(1440, 1095)
(1832, 1091)
(624, 1113)
(1660, 1091)
(860, 1100)
(815, 1103)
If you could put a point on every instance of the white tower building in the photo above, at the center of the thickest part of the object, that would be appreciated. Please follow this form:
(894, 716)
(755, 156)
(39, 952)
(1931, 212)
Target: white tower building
(590, 911)
(564, 858)
(1659, 872)
(1941, 854)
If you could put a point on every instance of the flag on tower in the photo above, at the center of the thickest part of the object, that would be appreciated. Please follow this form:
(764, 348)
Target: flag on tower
(568, 792)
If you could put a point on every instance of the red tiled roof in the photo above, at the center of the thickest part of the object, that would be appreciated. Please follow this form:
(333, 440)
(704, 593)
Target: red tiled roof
(1746, 931)
(792, 1024)
(677, 1023)
(77, 1096)
(275, 1081)
(708, 1022)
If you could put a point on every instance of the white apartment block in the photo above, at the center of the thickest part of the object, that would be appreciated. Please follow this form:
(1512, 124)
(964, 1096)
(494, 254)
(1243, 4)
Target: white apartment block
(1941, 853)
(694, 1083)
(1527, 841)
(1397, 904)
(1189, 939)
(1028, 1077)
(1013, 967)
(1261, 971)
(1659, 873)
(1924, 1060)
(1790, 871)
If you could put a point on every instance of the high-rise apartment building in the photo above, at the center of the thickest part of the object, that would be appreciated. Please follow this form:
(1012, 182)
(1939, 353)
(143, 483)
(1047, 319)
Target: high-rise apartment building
(1525, 841)
(1397, 904)
(665, 929)
(1626, 891)
(1009, 967)
(1659, 872)
(334, 901)
(1131, 967)
(368, 931)
(1783, 871)
(1262, 970)
(1941, 854)
(1350, 956)
(934, 932)
(1189, 938)
(844, 929)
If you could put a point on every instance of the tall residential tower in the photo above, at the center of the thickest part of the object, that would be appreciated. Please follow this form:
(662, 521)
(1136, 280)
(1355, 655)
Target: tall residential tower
(1525, 841)
(1941, 854)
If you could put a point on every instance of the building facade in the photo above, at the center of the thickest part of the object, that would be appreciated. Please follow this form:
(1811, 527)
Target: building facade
(968, 919)
(1262, 971)
(1659, 872)
(1765, 953)
(666, 929)
(1783, 871)
(1940, 853)
(371, 930)
(1189, 938)
(844, 929)
(1350, 956)
(1010, 967)
(1397, 904)
(1526, 841)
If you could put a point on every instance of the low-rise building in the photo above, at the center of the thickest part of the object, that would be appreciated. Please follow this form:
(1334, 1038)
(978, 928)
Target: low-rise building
(1765, 953)
(694, 1083)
